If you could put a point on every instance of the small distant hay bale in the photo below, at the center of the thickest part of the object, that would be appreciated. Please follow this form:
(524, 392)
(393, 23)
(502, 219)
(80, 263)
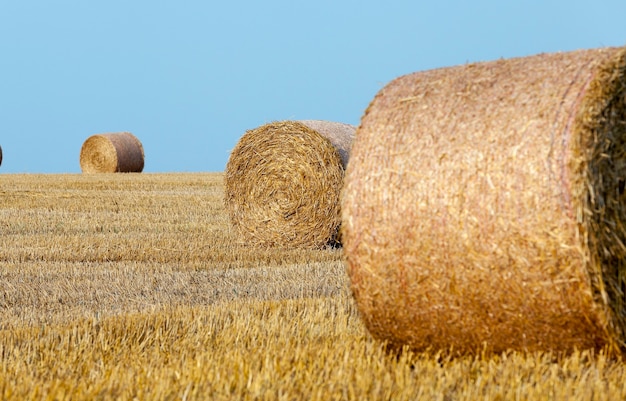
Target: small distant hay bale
(484, 206)
(118, 152)
(283, 181)
(0, 155)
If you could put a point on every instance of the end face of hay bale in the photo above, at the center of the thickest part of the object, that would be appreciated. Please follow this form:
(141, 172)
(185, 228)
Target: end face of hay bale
(599, 175)
(112, 153)
(483, 206)
(283, 181)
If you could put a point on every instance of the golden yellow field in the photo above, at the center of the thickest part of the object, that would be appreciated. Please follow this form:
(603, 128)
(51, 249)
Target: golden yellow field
(131, 286)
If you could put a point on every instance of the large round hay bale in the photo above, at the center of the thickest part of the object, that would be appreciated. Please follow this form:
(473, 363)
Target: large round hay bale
(119, 152)
(283, 181)
(484, 206)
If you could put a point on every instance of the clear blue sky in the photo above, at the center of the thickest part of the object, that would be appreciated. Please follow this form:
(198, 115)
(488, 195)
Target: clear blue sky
(188, 78)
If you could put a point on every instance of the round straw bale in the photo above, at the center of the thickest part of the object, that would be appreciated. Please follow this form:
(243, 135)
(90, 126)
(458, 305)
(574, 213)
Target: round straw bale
(484, 206)
(112, 153)
(283, 181)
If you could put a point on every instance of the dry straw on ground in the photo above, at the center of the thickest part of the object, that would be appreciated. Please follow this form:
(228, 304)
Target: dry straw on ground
(118, 152)
(484, 206)
(283, 182)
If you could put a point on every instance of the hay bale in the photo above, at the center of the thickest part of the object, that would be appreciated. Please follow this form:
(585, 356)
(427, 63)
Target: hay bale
(118, 152)
(484, 206)
(283, 181)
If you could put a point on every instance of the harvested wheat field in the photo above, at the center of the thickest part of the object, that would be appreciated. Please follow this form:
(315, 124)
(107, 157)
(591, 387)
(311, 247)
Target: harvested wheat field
(485, 209)
(283, 183)
(130, 286)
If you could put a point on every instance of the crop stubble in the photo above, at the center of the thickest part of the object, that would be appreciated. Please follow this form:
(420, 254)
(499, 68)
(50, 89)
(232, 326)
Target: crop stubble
(118, 286)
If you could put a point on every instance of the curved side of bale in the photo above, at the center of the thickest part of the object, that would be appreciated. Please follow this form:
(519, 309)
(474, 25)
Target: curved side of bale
(283, 181)
(118, 152)
(483, 206)
(340, 136)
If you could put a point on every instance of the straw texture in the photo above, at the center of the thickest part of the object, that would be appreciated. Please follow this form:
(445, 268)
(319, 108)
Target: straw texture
(119, 152)
(484, 206)
(283, 181)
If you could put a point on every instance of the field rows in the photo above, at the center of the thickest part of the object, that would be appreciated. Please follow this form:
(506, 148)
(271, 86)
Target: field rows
(133, 287)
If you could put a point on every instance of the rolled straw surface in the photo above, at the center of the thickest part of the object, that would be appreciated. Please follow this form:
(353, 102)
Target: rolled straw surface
(283, 181)
(484, 206)
(112, 153)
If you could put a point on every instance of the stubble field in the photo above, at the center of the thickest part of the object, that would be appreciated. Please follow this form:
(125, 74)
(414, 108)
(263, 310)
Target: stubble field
(132, 286)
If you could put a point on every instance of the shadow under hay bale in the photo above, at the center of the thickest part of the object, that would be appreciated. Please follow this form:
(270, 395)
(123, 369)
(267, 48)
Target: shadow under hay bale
(484, 204)
(283, 181)
(112, 153)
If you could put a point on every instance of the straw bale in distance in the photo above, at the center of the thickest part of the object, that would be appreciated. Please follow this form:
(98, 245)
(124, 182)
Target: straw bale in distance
(283, 181)
(484, 206)
(0, 155)
(112, 153)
